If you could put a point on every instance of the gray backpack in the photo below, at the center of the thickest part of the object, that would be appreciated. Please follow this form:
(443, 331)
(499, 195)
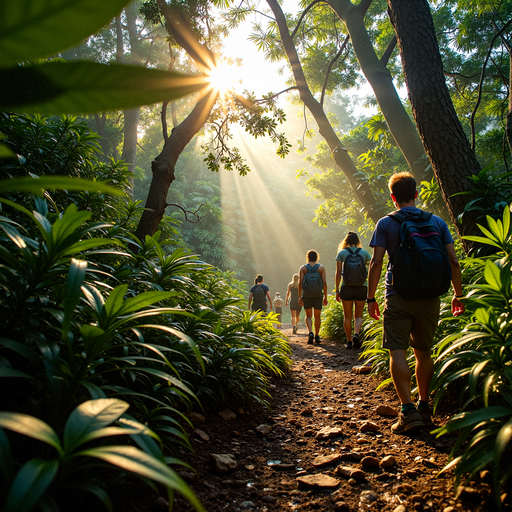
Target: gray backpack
(312, 284)
(354, 269)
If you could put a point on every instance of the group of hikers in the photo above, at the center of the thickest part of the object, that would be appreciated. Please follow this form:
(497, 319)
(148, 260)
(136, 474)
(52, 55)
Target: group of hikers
(422, 264)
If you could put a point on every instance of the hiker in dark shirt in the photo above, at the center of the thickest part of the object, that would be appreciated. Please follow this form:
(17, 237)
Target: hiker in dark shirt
(312, 287)
(258, 295)
(409, 321)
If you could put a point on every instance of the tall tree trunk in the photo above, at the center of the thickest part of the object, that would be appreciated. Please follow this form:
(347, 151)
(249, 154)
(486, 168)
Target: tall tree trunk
(400, 124)
(164, 164)
(341, 157)
(132, 115)
(445, 142)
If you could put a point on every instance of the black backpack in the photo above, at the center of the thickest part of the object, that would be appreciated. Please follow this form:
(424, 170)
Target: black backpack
(421, 268)
(354, 268)
(312, 284)
(258, 294)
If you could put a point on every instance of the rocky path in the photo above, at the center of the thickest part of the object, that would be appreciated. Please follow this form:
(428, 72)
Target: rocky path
(325, 445)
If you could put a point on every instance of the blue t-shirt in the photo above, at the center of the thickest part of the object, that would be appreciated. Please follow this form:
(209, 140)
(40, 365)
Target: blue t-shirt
(265, 289)
(387, 232)
(342, 255)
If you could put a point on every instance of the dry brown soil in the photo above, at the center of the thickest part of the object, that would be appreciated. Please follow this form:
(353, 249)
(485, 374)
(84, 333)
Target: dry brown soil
(276, 471)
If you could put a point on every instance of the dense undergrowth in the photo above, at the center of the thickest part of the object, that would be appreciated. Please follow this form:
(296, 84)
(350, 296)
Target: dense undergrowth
(108, 341)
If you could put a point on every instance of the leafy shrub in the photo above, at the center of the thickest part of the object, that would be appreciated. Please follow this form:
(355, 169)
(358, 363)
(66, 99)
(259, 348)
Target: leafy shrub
(63, 465)
(480, 359)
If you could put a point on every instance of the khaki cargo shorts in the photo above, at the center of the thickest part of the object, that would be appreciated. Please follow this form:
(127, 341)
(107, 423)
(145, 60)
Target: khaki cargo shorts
(410, 322)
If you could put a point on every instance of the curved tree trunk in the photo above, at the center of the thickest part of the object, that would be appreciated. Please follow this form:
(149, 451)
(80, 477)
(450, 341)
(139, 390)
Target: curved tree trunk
(360, 187)
(164, 164)
(445, 142)
(400, 124)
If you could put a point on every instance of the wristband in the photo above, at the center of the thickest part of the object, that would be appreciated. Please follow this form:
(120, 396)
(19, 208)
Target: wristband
(369, 301)
(459, 296)
(337, 291)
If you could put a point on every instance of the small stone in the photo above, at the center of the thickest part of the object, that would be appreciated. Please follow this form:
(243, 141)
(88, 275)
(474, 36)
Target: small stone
(400, 508)
(369, 426)
(318, 481)
(416, 498)
(264, 429)
(269, 499)
(386, 410)
(227, 415)
(203, 435)
(383, 477)
(223, 462)
(325, 460)
(306, 412)
(466, 494)
(195, 417)
(387, 462)
(249, 505)
(160, 504)
(366, 498)
(189, 476)
(352, 481)
(361, 369)
(370, 462)
(449, 509)
(350, 472)
(341, 506)
(329, 433)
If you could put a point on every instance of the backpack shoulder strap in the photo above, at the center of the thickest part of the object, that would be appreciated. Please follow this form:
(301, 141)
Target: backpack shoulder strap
(398, 215)
(308, 267)
(357, 251)
(426, 215)
(315, 267)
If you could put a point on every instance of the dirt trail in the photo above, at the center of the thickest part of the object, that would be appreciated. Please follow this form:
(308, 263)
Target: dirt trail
(322, 446)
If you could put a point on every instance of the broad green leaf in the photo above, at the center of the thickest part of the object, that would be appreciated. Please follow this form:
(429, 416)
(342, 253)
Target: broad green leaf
(90, 416)
(142, 300)
(11, 372)
(83, 87)
(30, 484)
(31, 30)
(136, 461)
(30, 427)
(114, 301)
(481, 240)
(468, 419)
(492, 275)
(74, 282)
(38, 186)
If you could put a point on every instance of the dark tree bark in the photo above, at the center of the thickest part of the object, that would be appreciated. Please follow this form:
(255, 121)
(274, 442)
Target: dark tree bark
(341, 157)
(444, 140)
(164, 164)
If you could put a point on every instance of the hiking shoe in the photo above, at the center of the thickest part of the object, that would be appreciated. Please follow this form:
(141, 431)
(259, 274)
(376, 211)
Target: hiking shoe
(349, 344)
(426, 418)
(407, 423)
(311, 337)
(294, 329)
(356, 341)
(317, 339)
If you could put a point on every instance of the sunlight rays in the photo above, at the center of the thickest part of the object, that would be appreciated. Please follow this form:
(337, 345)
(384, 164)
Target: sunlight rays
(268, 219)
